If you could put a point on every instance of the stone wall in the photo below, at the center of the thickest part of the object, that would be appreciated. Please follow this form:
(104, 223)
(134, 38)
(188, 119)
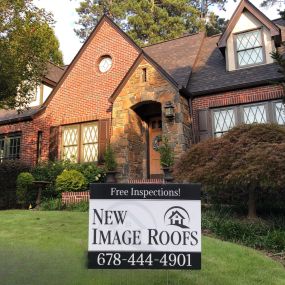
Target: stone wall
(129, 130)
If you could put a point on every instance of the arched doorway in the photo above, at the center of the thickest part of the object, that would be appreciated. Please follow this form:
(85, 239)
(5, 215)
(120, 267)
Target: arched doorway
(150, 113)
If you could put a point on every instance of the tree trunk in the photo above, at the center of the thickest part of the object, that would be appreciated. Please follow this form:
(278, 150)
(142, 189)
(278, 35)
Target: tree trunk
(251, 203)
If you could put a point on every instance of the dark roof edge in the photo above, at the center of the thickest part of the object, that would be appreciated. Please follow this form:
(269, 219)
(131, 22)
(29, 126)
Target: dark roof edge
(235, 87)
(16, 120)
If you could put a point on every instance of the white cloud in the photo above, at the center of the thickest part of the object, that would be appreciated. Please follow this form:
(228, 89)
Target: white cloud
(66, 16)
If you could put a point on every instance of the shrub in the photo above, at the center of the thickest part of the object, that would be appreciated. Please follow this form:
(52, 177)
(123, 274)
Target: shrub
(52, 204)
(24, 188)
(9, 171)
(71, 181)
(109, 159)
(166, 153)
(48, 171)
(261, 234)
(232, 168)
(91, 171)
(81, 206)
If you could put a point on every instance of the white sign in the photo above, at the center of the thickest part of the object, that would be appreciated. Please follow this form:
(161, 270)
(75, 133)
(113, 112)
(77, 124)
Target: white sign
(145, 226)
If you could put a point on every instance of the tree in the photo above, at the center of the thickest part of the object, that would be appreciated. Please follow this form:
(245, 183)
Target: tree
(267, 3)
(215, 25)
(27, 43)
(146, 21)
(246, 163)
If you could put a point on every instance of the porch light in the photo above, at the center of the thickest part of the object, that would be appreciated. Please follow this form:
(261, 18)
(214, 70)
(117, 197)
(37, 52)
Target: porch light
(169, 110)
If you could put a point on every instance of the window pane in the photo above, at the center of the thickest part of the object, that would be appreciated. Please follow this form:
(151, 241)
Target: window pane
(254, 114)
(249, 40)
(223, 121)
(251, 56)
(90, 142)
(13, 148)
(280, 113)
(70, 143)
(2, 141)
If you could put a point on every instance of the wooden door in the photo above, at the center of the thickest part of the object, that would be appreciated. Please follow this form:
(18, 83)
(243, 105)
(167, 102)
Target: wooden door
(155, 133)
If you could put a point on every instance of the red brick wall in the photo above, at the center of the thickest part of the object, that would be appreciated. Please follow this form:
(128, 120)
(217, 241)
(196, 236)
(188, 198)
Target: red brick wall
(243, 96)
(74, 197)
(84, 94)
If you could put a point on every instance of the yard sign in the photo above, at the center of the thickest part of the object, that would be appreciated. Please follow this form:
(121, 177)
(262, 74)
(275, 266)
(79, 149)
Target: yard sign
(147, 226)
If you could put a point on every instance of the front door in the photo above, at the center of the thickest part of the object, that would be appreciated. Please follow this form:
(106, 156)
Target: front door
(155, 133)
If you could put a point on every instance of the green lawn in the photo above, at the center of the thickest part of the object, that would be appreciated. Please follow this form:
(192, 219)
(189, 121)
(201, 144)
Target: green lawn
(38, 248)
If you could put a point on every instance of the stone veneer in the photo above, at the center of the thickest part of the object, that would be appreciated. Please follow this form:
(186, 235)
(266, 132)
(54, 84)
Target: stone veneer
(129, 131)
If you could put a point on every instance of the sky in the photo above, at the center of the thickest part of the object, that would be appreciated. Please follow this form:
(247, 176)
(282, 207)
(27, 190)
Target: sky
(66, 17)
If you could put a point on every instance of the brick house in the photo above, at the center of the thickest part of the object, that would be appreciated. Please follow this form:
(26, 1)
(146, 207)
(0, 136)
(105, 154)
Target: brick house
(186, 89)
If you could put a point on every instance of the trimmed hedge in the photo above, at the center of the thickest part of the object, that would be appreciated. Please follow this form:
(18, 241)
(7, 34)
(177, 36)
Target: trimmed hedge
(9, 171)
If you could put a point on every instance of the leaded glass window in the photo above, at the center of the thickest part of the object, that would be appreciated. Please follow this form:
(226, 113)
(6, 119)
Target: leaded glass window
(280, 113)
(255, 114)
(90, 142)
(223, 121)
(70, 142)
(80, 142)
(249, 48)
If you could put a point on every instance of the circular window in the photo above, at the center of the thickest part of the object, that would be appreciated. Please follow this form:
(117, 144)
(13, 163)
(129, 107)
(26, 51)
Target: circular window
(105, 64)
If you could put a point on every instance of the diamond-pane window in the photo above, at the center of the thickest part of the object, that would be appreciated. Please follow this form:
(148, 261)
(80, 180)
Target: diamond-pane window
(249, 48)
(223, 121)
(90, 142)
(280, 113)
(70, 143)
(254, 114)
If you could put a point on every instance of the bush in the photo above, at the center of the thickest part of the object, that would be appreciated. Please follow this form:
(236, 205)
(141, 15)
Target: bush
(9, 171)
(52, 204)
(261, 234)
(71, 181)
(166, 153)
(24, 189)
(91, 171)
(49, 171)
(232, 168)
(109, 159)
(56, 205)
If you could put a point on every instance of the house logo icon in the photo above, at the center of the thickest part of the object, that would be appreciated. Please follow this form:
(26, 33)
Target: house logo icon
(177, 216)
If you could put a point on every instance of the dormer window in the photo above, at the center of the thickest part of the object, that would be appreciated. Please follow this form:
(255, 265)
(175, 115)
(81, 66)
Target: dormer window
(249, 47)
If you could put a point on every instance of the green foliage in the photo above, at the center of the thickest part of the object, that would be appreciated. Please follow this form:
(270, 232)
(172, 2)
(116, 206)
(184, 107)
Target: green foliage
(166, 153)
(90, 170)
(268, 3)
(52, 204)
(147, 21)
(48, 171)
(70, 181)
(215, 25)
(27, 43)
(260, 234)
(235, 163)
(109, 159)
(56, 205)
(9, 171)
(24, 185)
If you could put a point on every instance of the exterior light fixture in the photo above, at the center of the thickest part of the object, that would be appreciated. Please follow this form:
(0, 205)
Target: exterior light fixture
(169, 110)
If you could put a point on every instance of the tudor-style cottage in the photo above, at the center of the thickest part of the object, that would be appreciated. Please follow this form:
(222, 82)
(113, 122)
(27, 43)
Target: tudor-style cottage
(187, 89)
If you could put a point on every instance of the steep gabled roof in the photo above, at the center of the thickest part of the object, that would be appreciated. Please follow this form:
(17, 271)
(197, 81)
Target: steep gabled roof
(177, 57)
(248, 6)
(83, 48)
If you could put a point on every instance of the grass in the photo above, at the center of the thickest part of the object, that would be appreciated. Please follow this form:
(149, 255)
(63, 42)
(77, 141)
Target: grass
(38, 248)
